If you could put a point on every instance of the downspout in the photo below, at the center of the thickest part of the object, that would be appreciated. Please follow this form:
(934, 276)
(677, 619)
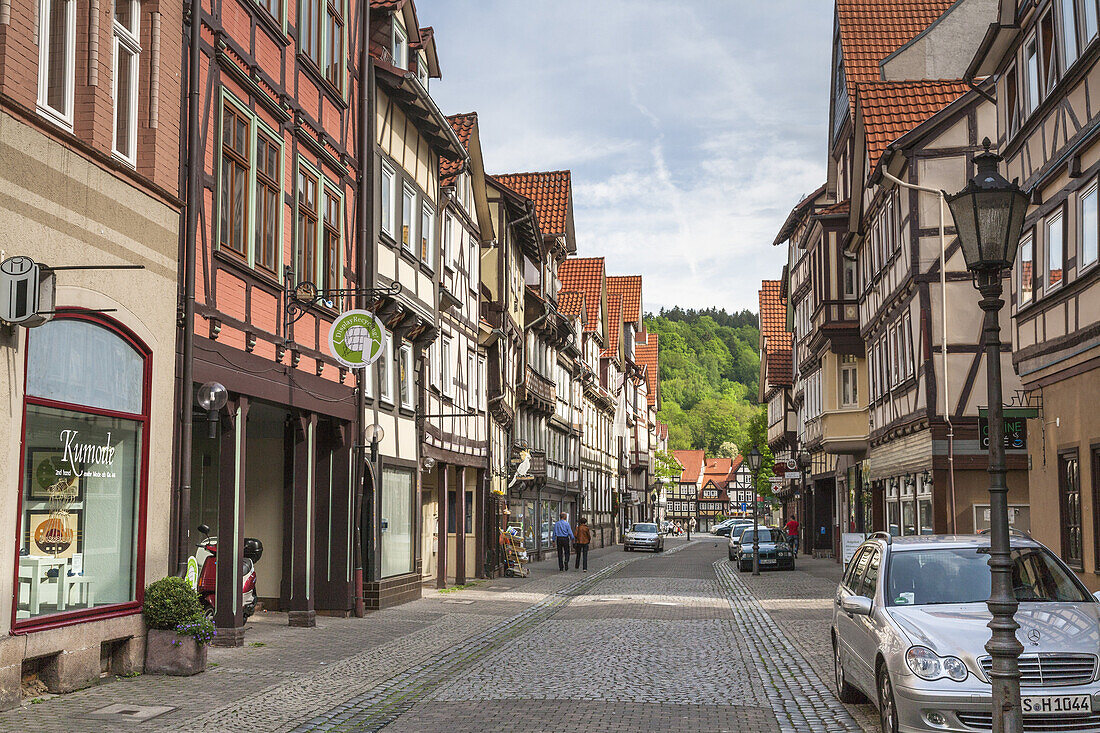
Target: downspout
(190, 237)
(943, 339)
(364, 252)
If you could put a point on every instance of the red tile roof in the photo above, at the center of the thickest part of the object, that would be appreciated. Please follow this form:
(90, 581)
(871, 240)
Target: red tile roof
(614, 325)
(773, 330)
(840, 208)
(585, 275)
(552, 193)
(892, 108)
(570, 303)
(647, 353)
(662, 430)
(630, 287)
(692, 461)
(386, 4)
(463, 126)
(871, 30)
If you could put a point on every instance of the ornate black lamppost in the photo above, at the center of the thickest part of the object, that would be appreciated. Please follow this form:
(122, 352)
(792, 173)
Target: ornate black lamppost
(989, 218)
(754, 458)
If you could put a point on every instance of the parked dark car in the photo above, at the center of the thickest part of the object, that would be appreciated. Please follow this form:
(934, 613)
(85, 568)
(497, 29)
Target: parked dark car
(775, 552)
(724, 529)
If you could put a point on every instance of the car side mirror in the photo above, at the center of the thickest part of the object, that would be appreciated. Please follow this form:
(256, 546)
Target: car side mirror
(858, 605)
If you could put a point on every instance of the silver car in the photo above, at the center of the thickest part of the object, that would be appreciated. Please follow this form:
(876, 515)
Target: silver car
(909, 632)
(644, 536)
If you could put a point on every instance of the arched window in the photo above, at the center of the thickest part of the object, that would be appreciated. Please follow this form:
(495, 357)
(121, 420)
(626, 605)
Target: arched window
(85, 437)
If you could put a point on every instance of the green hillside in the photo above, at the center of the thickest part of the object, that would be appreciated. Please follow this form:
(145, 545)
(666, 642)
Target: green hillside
(710, 367)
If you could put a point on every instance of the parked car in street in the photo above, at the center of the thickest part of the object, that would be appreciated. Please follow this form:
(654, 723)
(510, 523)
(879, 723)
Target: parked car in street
(735, 538)
(774, 551)
(910, 626)
(725, 528)
(644, 536)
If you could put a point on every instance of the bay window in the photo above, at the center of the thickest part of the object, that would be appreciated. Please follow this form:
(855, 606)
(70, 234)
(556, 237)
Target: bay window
(849, 394)
(127, 51)
(85, 423)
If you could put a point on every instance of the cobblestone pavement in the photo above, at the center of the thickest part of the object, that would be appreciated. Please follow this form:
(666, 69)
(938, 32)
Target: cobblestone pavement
(672, 642)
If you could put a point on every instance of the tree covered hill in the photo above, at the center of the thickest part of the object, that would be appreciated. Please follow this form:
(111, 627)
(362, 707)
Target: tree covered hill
(710, 367)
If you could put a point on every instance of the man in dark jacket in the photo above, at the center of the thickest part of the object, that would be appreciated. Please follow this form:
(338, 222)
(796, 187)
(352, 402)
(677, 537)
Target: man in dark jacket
(563, 534)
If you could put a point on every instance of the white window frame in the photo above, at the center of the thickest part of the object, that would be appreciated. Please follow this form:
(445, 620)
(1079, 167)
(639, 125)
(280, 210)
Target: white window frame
(386, 381)
(389, 181)
(433, 364)
(422, 69)
(408, 192)
(399, 46)
(448, 237)
(849, 388)
(481, 386)
(1028, 241)
(1068, 28)
(427, 223)
(406, 363)
(128, 40)
(447, 363)
(1031, 83)
(62, 117)
(1056, 217)
(1090, 190)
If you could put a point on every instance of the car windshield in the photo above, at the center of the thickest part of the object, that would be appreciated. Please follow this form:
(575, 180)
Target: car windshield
(645, 528)
(766, 535)
(961, 575)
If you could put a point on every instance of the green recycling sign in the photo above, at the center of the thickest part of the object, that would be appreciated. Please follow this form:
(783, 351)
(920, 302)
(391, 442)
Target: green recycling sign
(357, 339)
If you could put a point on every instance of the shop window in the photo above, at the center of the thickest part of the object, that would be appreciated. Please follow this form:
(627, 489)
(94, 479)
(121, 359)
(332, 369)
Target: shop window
(127, 51)
(1069, 495)
(56, 59)
(85, 426)
(397, 522)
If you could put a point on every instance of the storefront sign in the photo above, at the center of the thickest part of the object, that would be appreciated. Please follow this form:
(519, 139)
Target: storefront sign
(357, 338)
(849, 543)
(1015, 432)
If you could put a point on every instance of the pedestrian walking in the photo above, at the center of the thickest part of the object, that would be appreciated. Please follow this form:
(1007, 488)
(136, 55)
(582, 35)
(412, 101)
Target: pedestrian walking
(792, 533)
(563, 534)
(584, 538)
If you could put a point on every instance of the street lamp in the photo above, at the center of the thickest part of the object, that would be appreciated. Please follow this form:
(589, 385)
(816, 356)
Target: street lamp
(754, 459)
(989, 218)
(372, 504)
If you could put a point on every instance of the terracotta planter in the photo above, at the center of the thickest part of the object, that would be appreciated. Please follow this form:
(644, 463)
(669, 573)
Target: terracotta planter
(166, 652)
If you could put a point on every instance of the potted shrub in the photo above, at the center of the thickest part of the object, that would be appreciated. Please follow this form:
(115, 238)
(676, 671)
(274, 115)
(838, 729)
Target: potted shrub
(178, 631)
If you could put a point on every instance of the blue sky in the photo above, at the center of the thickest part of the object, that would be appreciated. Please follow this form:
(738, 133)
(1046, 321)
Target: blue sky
(691, 126)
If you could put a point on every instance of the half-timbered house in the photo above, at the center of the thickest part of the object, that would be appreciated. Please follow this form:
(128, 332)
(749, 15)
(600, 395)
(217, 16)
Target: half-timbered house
(1043, 58)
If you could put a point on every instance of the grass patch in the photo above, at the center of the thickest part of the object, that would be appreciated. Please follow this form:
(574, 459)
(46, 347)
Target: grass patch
(257, 644)
(464, 586)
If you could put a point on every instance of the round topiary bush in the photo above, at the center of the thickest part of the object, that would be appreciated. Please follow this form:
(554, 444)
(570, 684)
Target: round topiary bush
(169, 603)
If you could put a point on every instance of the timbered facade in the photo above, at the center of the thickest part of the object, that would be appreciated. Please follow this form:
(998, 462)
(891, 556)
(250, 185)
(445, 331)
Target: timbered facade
(1043, 59)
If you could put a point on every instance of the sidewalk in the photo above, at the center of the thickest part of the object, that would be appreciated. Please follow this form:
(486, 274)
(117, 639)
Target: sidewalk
(283, 675)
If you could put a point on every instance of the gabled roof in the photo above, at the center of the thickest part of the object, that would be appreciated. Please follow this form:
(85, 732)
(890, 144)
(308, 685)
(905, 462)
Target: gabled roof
(775, 337)
(647, 354)
(463, 125)
(552, 193)
(585, 275)
(871, 30)
(892, 108)
(692, 461)
(614, 325)
(797, 213)
(630, 287)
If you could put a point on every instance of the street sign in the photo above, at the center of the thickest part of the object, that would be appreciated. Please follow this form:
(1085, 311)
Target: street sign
(357, 338)
(792, 475)
(792, 464)
(776, 481)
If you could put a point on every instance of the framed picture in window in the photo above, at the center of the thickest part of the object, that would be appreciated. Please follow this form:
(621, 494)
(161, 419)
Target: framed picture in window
(45, 467)
(55, 535)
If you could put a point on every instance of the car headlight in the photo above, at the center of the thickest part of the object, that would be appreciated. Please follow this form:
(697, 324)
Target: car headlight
(928, 665)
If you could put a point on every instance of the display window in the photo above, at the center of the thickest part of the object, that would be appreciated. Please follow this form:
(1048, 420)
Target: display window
(397, 522)
(81, 517)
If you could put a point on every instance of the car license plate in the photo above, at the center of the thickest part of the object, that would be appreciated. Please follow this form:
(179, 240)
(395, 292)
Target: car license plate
(767, 561)
(1056, 704)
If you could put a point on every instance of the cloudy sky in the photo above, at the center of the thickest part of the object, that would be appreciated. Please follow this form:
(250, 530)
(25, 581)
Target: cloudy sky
(691, 126)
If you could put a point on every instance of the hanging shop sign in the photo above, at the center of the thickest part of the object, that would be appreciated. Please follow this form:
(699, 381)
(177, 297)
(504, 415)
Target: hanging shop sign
(1015, 432)
(26, 291)
(357, 338)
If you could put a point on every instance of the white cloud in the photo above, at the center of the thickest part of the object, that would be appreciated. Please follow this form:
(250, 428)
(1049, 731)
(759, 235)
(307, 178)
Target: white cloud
(691, 127)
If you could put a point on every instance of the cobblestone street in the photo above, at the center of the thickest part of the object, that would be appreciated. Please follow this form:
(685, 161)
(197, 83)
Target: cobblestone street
(675, 642)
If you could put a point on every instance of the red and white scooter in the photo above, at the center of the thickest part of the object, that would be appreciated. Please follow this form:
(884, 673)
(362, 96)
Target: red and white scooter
(208, 575)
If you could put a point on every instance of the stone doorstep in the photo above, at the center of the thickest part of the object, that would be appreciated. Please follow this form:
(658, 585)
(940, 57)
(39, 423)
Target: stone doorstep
(124, 713)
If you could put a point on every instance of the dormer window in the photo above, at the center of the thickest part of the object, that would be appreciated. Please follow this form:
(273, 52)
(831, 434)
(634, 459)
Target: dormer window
(422, 69)
(400, 49)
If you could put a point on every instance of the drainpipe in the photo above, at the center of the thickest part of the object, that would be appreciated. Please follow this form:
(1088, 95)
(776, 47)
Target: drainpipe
(195, 159)
(365, 251)
(943, 338)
